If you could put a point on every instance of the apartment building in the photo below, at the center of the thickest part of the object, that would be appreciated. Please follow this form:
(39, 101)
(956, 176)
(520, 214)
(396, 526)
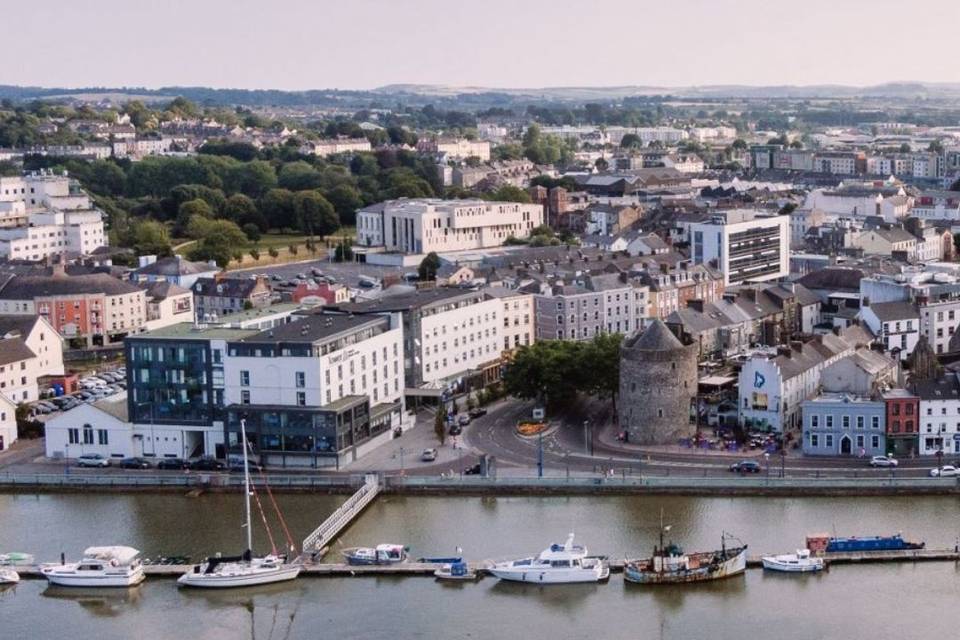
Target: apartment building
(743, 244)
(327, 148)
(220, 296)
(456, 148)
(595, 304)
(519, 317)
(419, 226)
(45, 214)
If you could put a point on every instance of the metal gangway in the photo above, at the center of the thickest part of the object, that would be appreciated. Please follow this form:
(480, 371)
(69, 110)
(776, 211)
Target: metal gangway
(342, 517)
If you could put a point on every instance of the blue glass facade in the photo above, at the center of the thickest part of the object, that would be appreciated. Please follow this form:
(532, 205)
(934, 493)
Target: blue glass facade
(170, 382)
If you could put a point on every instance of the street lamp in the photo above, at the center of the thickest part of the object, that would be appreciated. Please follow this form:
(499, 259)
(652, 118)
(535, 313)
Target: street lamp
(402, 471)
(766, 456)
(783, 462)
(586, 437)
(540, 454)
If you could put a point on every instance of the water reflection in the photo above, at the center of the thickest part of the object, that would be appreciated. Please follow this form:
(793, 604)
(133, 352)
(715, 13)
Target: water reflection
(568, 598)
(100, 602)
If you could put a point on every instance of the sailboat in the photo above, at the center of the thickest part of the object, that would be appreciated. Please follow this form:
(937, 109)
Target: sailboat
(245, 570)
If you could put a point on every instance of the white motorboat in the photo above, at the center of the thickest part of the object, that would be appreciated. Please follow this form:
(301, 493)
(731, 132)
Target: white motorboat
(456, 571)
(115, 566)
(381, 554)
(557, 564)
(799, 562)
(8, 576)
(245, 570)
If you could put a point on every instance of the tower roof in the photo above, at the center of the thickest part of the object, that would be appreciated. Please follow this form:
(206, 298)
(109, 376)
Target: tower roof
(656, 337)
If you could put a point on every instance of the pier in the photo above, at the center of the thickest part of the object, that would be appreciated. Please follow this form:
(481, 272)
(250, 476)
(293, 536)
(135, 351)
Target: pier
(340, 519)
(411, 569)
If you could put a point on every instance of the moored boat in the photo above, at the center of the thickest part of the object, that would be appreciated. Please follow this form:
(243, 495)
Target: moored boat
(115, 566)
(670, 564)
(456, 571)
(8, 576)
(799, 562)
(245, 570)
(15, 558)
(853, 544)
(557, 564)
(381, 554)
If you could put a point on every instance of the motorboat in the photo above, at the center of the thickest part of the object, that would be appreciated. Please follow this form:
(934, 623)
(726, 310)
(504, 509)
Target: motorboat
(557, 564)
(115, 566)
(381, 554)
(8, 576)
(14, 558)
(245, 570)
(456, 571)
(799, 562)
(670, 564)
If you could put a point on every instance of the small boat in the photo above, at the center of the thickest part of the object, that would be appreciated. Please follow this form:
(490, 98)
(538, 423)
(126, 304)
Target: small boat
(381, 554)
(8, 576)
(557, 564)
(14, 558)
(456, 571)
(245, 570)
(799, 562)
(115, 566)
(441, 560)
(669, 564)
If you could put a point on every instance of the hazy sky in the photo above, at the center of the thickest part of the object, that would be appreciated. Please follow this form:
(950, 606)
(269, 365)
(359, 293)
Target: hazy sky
(358, 44)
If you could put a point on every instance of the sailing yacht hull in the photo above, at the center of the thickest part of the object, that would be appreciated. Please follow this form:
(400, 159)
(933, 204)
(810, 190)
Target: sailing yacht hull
(239, 578)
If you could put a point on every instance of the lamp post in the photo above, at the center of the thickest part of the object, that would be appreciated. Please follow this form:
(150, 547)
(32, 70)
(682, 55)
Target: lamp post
(402, 470)
(586, 437)
(766, 456)
(783, 462)
(540, 455)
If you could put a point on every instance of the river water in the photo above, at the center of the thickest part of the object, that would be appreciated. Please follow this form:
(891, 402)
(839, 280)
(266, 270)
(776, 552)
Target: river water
(876, 601)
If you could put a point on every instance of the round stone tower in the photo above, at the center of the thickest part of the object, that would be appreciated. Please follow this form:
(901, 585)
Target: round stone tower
(658, 383)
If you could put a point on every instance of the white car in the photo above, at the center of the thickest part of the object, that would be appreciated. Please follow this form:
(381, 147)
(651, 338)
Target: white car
(883, 461)
(93, 460)
(946, 471)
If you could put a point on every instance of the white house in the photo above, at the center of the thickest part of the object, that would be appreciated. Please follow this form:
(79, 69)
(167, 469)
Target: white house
(896, 325)
(101, 427)
(939, 415)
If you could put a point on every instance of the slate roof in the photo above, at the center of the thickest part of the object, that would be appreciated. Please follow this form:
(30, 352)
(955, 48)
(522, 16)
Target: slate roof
(898, 310)
(20, 323)
(175, 266)
(30, 287)
(656, 337)
(14, 350)
(161, 289)
(224, 287)
(834, 278)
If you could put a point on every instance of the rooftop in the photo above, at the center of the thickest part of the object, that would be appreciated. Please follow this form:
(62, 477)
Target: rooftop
(313, 329)
(189, 331)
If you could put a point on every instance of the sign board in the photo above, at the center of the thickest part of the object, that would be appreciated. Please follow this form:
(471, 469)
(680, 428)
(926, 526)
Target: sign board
(539, 413)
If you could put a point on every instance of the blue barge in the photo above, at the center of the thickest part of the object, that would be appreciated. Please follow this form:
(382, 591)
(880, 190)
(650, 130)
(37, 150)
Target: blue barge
(871, 543)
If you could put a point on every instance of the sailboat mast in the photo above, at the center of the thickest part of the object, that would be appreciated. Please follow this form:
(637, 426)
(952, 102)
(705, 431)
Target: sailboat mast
(246, 482)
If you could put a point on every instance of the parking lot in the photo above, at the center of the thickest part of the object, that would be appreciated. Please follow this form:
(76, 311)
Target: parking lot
(347, 273)
(92, 389)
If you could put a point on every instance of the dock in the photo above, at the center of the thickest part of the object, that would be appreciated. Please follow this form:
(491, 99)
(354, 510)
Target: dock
(340, 519)
(411, 569)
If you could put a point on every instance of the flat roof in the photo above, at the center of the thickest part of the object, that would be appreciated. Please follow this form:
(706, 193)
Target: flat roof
(311, 329)
(187, 330)
(259, 312)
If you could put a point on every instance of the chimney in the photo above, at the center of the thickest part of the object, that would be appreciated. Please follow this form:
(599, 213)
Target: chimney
(784, 351)
(796, 345)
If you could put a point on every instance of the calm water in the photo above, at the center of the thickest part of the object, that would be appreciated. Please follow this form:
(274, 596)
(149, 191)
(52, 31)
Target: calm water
(877, 601)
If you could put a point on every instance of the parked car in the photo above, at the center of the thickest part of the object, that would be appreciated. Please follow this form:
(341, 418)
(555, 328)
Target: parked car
(276, 277)
(207, 464)
(301, 276)
(473, 470)
(48, 405)
(39, 409)
(455, 429)
(92, 460)
(946, 471)
(746, 466)
(883, 461)
(237, 465)
(463, 419)
(316, 272)
(134, 463)
(428, 455)
(172, 463)
(477, 413)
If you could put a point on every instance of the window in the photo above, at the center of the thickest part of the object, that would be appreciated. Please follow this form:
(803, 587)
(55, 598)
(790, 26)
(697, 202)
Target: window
(814, 421)
(846, 421)
(244, 397)
(814, 440)
(875, 422)
(73, 435)
(860, 421)
(875, 442)
(87, 434)
(245, 379)
(102, 437)
(301, 379)
(829, 421)
(301, 398)
(860, 442)
(829, 441)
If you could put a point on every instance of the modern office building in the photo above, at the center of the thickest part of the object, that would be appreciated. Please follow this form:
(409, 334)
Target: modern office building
(745, 245)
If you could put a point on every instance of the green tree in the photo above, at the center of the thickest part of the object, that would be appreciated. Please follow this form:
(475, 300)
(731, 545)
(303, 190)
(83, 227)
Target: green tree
(105, 178)
(252, 232)
(240, 209)
(299, 176)
(255, 178)
(601, 357)
(314, 214)
(509, 193)
(218, 240)
(427, 271)
(151, 238)
(277, 207)
(345, 200)
(631, 141)
(192, 209)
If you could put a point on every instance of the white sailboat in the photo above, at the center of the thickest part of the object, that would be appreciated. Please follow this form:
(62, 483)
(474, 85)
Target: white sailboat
(245, 570)
(557, 564)
(115, 566)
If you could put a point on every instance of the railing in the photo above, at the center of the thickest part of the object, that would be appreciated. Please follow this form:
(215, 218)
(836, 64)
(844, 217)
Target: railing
(342, 516)
(193, 480)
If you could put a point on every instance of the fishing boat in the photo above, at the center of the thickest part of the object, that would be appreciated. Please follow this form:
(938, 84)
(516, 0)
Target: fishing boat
(456, 571)
(386, 553)
(14, 558)
(245, 570)
(8, 576)
(799, 562)
(115, 566)
(557, 564)
(670, 564)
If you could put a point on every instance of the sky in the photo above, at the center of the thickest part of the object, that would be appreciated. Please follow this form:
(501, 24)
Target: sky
(362, 44)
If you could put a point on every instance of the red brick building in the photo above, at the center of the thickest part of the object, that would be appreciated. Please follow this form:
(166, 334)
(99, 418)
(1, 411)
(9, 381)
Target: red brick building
(903, 421)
